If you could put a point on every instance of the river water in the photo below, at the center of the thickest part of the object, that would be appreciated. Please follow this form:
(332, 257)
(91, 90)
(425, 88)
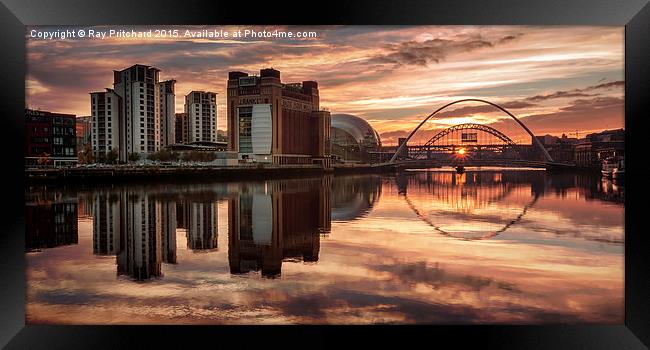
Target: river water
(489, 246)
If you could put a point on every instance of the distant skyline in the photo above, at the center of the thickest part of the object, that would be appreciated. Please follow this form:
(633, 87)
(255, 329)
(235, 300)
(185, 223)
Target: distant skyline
(557, 79)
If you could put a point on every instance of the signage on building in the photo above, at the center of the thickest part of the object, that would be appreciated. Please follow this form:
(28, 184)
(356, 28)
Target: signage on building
(247, 81)
(296, 105)
(34, 112)
(251, 100)
(469, 137)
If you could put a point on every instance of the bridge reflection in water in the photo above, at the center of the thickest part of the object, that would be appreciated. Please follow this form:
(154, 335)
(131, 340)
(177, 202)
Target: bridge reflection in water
(477, 205)
(367, 239)
(283, 220)
(458, 199)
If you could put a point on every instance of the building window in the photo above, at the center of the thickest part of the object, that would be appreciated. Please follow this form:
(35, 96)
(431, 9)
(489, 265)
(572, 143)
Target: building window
(245, 120)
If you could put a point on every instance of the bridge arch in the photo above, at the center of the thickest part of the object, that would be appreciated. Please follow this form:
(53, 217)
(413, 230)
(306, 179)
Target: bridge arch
(485, 235)
(535, 140)
(471, 126)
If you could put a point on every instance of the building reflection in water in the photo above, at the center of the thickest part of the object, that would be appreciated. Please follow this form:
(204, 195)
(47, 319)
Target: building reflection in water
(106, 223)
(135, 227)
(140, 250)
(277, 221)
(354, 196)
(275, 227)
(50, 219)
(167, 218)
(269, 222)
(200, 220)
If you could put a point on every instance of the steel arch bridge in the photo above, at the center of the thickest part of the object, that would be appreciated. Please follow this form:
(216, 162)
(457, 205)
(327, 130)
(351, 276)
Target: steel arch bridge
(471, 126)
(431, 143)
(536, 142)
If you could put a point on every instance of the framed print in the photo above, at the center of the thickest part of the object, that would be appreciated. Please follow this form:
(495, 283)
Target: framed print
(385, 170)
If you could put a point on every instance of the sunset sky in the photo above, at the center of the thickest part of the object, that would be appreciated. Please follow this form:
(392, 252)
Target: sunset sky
(557, 79)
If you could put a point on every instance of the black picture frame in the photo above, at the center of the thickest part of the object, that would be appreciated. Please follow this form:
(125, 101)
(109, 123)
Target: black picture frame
(633, 14)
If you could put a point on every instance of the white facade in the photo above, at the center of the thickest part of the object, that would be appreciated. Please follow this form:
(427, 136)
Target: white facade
(139, 113)
(255, 132)
(261, 129)
(201, 109)
(136, 87)
(105, 121)
(166, 113)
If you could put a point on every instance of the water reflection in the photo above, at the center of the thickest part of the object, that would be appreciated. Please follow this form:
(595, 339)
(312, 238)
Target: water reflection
(357, 244)
(51, 218)
(279, 220)
(470, 205)
(482, 204)
(201, 229)
(354, 196)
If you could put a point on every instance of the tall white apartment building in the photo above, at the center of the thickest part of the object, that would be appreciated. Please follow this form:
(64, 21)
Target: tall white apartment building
(105, 122)
(201, 109)
(141, 113)
(166, 112)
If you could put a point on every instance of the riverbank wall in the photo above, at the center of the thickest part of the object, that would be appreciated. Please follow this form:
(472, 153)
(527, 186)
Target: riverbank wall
(112, 174)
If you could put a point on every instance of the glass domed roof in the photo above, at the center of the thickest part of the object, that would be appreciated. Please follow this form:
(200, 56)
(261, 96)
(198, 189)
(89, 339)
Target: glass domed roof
(357, 127)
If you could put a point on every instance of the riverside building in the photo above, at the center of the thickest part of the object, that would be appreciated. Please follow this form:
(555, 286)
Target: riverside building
(273, 122)
(135, 117)
(201, 111)
(182, 128)
(50, 138)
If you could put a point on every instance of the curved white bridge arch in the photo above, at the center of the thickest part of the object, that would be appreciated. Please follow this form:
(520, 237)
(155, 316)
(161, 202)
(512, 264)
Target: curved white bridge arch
(535, 140)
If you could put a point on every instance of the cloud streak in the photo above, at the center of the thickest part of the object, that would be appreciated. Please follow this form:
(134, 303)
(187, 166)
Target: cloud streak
(392, 76)
(435, 50)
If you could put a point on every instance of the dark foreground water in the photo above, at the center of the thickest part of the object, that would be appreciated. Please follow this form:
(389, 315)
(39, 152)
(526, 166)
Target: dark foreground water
(488, 246)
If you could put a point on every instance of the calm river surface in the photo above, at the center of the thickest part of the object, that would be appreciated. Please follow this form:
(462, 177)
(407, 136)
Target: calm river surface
(487, 246)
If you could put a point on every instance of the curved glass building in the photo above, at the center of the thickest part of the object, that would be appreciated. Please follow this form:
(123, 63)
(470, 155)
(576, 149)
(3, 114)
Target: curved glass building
(353, 138)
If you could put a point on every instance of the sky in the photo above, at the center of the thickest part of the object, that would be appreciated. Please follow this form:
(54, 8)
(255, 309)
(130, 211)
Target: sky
(556, 79)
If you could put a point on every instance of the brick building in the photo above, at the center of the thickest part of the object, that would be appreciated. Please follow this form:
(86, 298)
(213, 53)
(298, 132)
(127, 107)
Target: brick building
(50, 138)
(269, 121)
